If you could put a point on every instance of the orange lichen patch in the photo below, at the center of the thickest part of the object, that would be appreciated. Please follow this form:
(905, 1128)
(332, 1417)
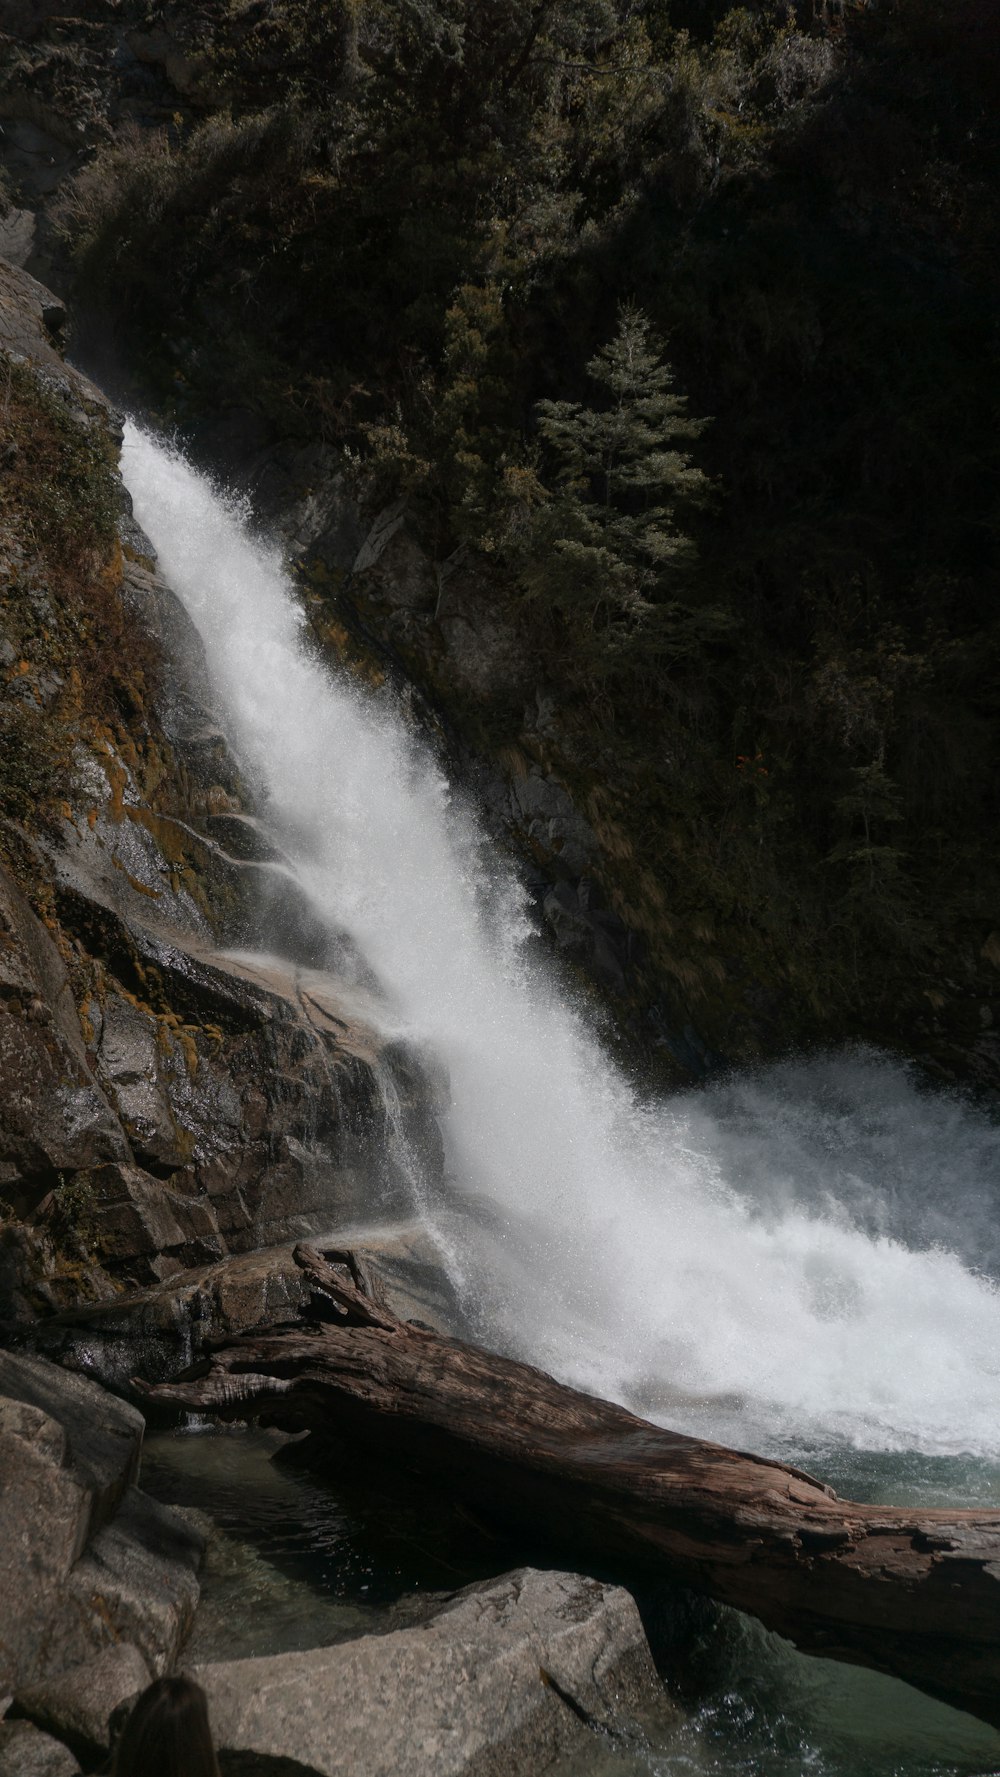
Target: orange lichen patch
(92, 818)
(187, 1036)
(126, 752)
(87, 1024)
(171, 838)
(158, 765)
(141, 888)
(335, 636)
(171, 1030)
(104, 746)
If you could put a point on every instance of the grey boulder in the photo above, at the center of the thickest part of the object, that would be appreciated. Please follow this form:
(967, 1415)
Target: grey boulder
(26, 1752)
(77, 1706)
(86, 1559)
(505, 1678)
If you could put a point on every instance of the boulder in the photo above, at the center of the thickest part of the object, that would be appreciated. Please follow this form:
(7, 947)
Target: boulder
(26, 1752)
(89, 1560)
(17, 236)
(90, 1436)
(139, 1580)
(505, 1678)
(77, 1705)
(196, 1103)
(137, 1217)
(252, 1084)
(44, 1517)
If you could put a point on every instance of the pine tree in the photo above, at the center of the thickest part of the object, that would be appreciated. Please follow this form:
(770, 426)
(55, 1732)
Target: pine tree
(607, 546)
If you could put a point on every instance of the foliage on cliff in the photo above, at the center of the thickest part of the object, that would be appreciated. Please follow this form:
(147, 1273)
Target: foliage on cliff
(73, 662)
(426, 231)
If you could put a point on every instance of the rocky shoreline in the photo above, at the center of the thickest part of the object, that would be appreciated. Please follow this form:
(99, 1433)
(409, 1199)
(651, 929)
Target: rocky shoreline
(507, 1675)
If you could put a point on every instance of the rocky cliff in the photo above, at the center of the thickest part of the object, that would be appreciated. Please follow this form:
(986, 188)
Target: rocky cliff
(163, 1100)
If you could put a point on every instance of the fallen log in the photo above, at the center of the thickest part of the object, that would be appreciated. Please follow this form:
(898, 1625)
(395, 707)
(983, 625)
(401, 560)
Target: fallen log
(912, 1593)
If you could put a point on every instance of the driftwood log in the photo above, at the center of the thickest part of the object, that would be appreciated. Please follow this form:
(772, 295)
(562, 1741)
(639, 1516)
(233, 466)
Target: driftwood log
(913, 1593)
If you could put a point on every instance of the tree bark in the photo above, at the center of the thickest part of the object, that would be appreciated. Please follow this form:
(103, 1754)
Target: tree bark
(913, 1593)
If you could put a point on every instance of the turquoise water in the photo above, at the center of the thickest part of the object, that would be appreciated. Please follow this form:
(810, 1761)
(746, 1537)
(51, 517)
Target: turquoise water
(300, 1562)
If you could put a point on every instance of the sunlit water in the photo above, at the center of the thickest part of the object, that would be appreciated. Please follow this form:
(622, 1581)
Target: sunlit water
(801, 1260)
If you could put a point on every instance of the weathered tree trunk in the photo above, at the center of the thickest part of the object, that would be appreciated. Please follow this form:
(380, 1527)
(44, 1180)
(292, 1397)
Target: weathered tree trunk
(914, 1593)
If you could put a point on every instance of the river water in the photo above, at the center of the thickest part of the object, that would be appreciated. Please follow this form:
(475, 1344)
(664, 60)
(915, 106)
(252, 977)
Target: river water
(802, 1260)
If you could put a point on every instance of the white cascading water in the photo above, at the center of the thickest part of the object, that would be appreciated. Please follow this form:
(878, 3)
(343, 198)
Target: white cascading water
(801, 1252)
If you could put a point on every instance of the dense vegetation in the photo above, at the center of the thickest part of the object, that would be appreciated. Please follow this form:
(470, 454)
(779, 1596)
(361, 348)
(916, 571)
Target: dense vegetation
(678, 319)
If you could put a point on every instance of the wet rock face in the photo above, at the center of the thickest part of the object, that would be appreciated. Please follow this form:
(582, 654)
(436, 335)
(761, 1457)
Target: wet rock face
(163, 1102)
(157, 1332)
(191, 1106)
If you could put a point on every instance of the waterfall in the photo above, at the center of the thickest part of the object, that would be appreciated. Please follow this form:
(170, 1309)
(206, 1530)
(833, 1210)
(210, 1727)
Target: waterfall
(807, 1251)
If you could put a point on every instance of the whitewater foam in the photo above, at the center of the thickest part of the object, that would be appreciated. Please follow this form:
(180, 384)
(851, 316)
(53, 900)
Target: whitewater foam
(813, 1245)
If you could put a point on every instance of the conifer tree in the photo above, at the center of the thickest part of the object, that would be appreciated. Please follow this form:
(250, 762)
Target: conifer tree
(608, 546)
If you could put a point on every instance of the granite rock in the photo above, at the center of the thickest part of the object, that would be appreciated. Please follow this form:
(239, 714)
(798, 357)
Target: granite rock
(77, 1705)
(87, 1560)
(505, 1678)
(26, 1752)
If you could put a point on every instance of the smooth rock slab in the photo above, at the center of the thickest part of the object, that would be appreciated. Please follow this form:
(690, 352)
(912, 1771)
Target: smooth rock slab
(502, 1680)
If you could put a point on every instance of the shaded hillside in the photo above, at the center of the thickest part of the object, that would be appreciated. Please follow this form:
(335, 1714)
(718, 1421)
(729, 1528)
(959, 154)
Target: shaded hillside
(746, 634)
